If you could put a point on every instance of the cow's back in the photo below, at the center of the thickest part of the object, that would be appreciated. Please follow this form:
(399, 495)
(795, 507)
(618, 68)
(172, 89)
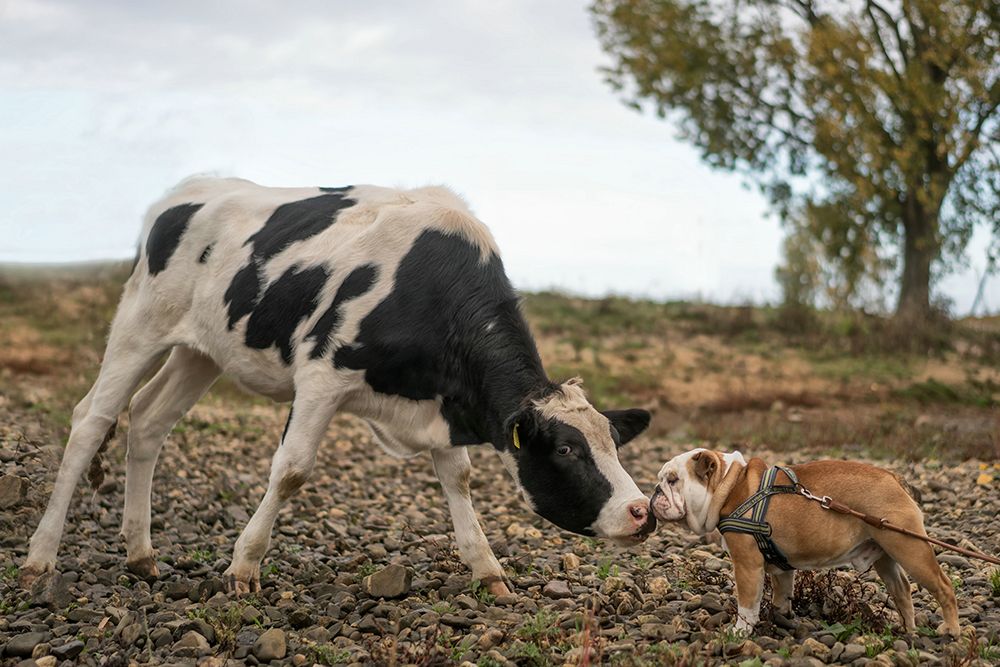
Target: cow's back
(265, 280)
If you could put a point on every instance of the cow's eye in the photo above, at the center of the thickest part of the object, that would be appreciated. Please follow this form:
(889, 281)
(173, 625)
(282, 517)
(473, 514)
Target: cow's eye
(565, 450)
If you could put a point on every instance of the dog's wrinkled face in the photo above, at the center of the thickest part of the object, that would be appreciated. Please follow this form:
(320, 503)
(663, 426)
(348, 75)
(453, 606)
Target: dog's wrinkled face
(686, 486)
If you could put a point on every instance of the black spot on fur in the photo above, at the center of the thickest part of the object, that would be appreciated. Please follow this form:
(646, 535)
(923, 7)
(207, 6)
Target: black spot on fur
(451, 327)
(291, 222)
(359, 281)
(284, 433)
(166, 234)
(544, 473)
(241, 295)
(290, 299)
(206, 253)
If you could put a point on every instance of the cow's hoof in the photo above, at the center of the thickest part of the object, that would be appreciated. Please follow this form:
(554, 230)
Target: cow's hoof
(239, 586)
(28, 574)
(495, 586)
(144, 568)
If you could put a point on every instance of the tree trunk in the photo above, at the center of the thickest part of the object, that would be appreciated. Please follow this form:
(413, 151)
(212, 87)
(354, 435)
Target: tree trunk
(919, 250)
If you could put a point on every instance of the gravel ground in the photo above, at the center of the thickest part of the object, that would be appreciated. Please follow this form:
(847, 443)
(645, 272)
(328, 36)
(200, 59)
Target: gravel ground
(364, 513)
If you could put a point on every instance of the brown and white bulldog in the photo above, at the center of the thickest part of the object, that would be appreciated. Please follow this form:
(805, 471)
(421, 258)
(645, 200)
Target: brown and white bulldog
(701, 486)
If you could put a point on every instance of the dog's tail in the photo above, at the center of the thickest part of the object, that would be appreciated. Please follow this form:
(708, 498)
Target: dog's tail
(95, 475)
(911, 490)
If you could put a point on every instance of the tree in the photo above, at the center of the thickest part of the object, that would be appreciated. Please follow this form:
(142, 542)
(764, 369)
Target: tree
(871, 125)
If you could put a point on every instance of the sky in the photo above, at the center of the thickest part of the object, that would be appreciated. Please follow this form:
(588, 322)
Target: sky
(106, 104)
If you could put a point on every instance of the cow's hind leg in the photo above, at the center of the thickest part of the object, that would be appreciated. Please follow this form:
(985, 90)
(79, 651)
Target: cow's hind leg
(127, 359)
(184, 379)
(290, 468)
(453, 467)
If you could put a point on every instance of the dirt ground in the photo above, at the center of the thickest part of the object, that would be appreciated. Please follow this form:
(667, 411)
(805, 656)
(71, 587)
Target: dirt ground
(725, 377)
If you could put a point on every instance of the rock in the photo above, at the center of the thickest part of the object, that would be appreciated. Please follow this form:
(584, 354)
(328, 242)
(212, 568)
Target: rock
(69, 650)
(299, 618)
(191, 644)
(13, 490)
(456, 621)
(557, 590)
(811, 647)
(465, 602)
(270, 645)
(21, 646)
(46, 661)
(570, 562)
(659, 586)
(490, 638)
(50, 590)
(852, 652)
(392, 581)
(714, 564)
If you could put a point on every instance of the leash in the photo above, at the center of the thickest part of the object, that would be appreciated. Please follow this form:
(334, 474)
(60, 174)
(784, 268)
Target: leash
(828, 503)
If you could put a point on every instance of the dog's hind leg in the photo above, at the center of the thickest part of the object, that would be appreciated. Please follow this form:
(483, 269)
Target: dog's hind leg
(899, 588)
(917, 558)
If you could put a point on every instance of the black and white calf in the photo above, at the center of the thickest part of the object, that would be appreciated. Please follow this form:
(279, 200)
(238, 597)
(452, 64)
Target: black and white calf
(389, 304)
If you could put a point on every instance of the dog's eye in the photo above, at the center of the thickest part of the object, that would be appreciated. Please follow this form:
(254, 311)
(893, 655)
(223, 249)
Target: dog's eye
(671, 481)
(565, 450)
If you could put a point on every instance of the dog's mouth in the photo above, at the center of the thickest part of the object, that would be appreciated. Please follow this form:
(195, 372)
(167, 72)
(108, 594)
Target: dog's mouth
(667, 506)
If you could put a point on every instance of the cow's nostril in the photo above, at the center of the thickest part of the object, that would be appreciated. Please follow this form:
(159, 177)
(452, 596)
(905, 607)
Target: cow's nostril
(639, 510)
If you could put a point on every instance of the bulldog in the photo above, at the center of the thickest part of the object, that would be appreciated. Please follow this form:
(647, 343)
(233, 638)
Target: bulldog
(701, 487)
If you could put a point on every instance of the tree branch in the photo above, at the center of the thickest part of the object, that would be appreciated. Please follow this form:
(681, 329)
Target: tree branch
(877, 30)
(894, 24)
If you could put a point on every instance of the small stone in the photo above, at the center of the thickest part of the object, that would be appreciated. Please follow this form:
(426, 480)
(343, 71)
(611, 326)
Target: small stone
(46, 661)
(22, 645)
(659, 586)
(298, 660)
(714, 565)
(191, 644)
(852, 652)
(465, 602)
(456, 621)
(131, 633)
(570, 562)
(13, 490)
(300, 618)
(69, 650)
(50, 590)
(814, 648)
(557, 590)
(270, 645)
(392, 581)
(490, 638)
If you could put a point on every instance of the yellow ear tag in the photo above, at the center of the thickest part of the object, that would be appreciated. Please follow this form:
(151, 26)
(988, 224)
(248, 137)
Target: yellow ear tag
(517, 440)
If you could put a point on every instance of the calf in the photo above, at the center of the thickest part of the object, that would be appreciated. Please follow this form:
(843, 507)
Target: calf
(389, 304)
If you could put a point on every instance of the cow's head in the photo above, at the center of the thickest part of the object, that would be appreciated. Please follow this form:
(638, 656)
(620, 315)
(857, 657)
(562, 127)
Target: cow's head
(563, 454)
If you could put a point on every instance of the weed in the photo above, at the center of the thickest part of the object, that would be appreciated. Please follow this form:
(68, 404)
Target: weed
(269, 570)
(366, 569)
(226, 622)
(606, 569)
(9, 573)
(326, 654)
(540, 626)
(481, 593)
(995, 582)
(203, 555)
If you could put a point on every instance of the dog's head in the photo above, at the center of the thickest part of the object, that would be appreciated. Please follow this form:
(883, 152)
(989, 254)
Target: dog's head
(688, 485)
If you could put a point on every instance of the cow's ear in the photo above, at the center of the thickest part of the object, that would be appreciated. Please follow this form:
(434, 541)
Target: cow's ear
(628, 423)
(705, 465)
(520, 429)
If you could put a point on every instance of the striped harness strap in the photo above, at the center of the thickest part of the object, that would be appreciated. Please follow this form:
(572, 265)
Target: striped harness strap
(757, 506)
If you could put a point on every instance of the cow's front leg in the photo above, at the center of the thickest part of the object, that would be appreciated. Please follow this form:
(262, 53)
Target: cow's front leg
(453, 467)
(291, 466)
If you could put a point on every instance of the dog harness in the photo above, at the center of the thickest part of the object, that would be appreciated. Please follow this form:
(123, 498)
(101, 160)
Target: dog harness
(757, 506)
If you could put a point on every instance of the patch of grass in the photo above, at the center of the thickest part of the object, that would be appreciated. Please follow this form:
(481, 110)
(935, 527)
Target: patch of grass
(540, 626)
(843, 631)
(327, 654)
(203, 555)
(9, 573)
(481, 593)
(226, 622)
(974, 393)
(995, 582)
(366, 569)
(607, 569)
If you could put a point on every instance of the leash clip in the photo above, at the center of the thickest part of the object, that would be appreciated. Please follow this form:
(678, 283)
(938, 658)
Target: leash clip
(824, 501)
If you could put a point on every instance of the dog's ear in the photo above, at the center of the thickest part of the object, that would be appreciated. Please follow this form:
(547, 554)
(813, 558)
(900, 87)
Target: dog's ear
(705, 465)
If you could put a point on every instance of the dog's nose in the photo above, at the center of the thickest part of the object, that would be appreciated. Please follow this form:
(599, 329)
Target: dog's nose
(639, 510)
